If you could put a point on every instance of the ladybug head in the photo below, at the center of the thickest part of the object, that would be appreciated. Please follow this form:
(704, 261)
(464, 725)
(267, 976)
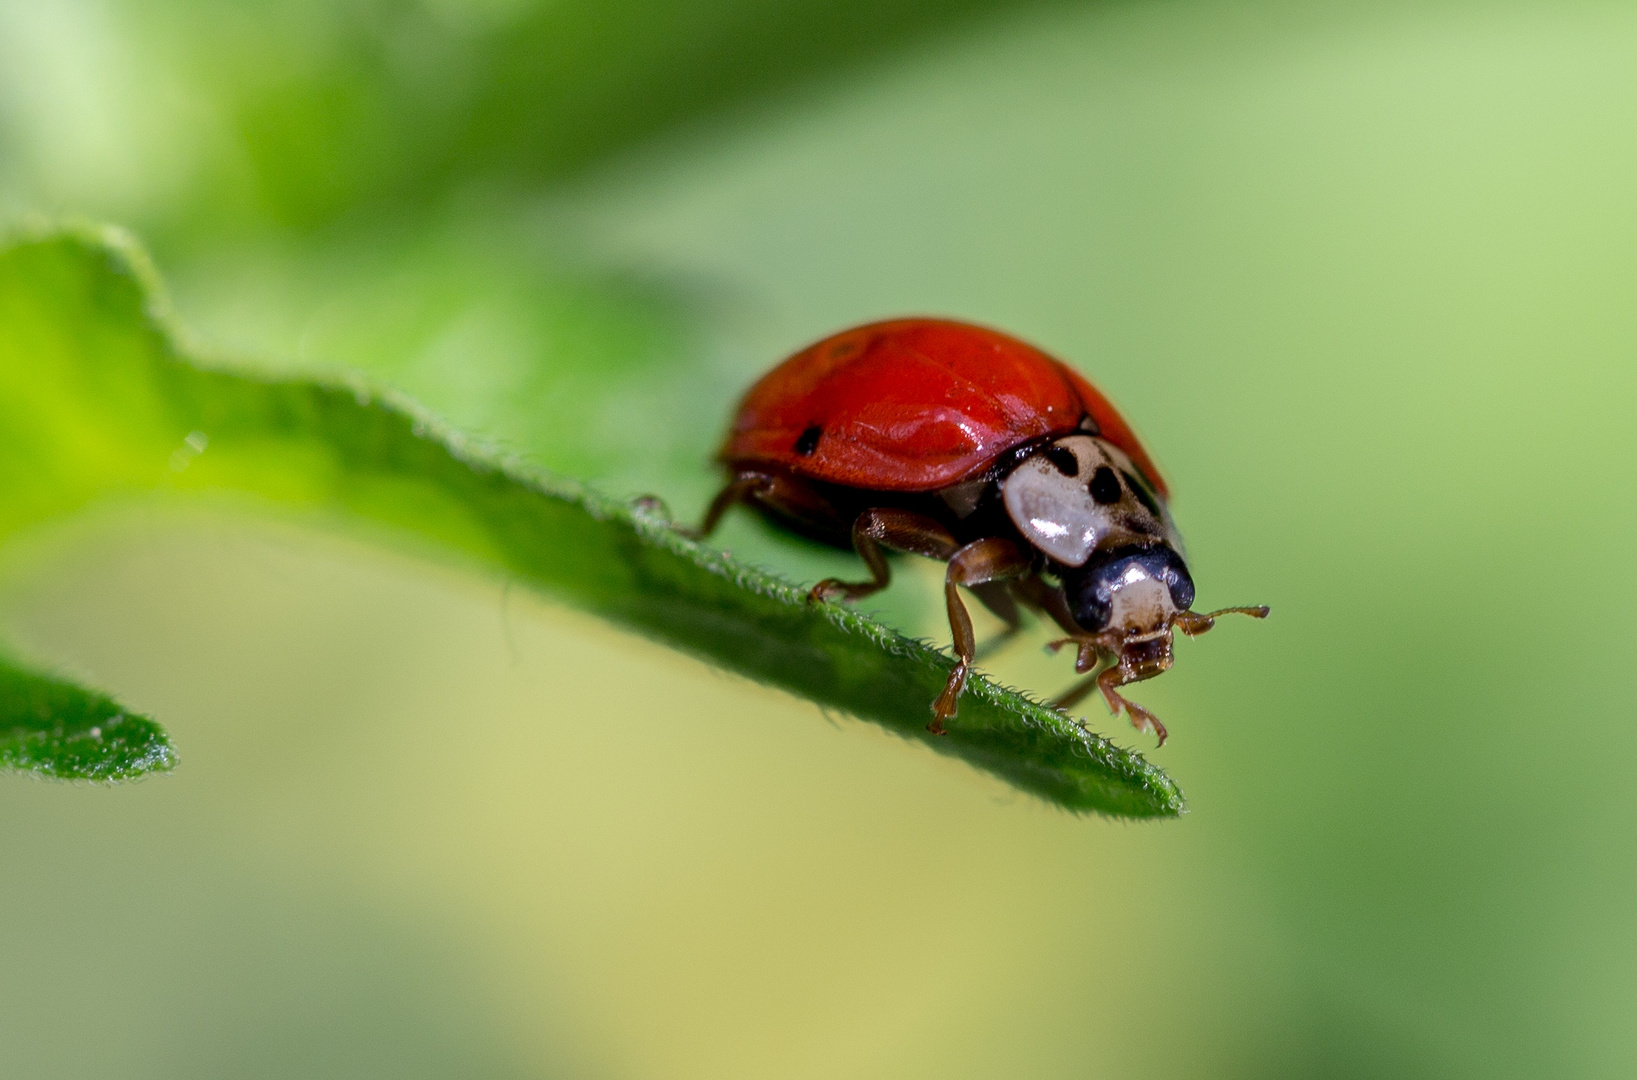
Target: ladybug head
(1137, 589)
(1077, 495)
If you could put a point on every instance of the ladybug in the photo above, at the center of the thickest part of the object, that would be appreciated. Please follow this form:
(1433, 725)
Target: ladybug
(965, 445)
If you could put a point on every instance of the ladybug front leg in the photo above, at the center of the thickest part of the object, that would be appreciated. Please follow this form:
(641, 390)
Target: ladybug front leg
(1095, 651)
(1090, 652)
(1117, 676)
(978, 563)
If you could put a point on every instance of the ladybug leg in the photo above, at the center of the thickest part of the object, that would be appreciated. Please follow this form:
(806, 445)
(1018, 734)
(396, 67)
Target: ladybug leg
(1141, 718)
(785, 495)
(1113, 675)
(901, 530)
(1090, 653)
(980, 562)
(743, 488)
(1108, 681)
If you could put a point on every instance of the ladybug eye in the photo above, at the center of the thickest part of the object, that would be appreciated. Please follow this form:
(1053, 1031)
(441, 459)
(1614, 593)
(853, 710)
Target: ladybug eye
(1064, 459)
(1105, 486)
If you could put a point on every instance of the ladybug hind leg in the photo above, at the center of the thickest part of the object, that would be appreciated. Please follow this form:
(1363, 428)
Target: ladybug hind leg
(785, 495)
(744, 487)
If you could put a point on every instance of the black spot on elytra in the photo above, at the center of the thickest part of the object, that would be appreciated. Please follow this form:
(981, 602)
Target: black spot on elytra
(1140, 490)
(1105, 486)
(807, 441)
(1064, 459)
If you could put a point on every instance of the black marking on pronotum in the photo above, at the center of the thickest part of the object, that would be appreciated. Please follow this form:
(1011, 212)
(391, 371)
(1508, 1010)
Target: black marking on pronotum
(1017, 455)
(1105, 486)
(1140, 490)
(808, 440)
(1064, 459)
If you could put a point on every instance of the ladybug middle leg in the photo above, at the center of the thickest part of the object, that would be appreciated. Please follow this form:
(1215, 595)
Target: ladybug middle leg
(979, 563)
(887, 527)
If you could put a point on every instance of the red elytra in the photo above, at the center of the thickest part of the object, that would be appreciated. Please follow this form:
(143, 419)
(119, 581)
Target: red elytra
(915, 405)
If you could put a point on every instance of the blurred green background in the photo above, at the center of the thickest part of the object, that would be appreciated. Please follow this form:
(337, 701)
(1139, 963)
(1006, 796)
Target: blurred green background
(1365, 277)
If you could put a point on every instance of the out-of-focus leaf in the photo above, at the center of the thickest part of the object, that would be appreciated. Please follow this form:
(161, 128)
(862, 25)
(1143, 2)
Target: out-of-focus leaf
(334, 107)
(56, 729)
(97, 400)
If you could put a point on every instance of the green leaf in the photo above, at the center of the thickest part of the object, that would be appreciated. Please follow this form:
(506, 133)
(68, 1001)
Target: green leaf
(98, 400)
(59, 730)
(331, 109)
